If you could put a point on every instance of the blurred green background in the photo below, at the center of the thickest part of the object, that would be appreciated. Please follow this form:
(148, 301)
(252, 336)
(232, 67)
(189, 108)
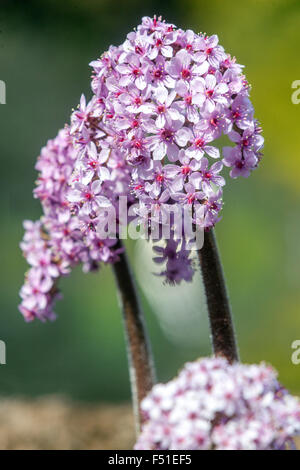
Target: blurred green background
(45, 48)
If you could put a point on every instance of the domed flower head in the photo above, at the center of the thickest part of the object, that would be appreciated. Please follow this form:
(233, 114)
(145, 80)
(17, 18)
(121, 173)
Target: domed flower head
(161, 100)
(217, 406)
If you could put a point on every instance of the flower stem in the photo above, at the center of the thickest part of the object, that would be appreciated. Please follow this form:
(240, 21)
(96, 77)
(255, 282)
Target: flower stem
(219, 311)
(141, 368)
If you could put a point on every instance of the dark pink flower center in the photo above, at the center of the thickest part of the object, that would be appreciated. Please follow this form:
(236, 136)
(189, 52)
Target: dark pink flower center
(214, 122)
(137, 144)
(236, 114)
(200, 440)
(185, 170)
(209, 93)
(88, 196)
(207, 175)
(239, 164)
(139, 159)
(158, 73)
(161, 108)
(137, 100)
(160, 178)
(158, 43)
(199, 142)
(209, 51)
(167, 135)
(136, 72)
(188, 99)
(185, 73)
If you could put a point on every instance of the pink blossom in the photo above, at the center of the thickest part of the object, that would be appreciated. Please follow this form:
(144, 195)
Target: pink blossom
(208, 92)
(212, 405)
(133, 72)
(239, 165)
(205, 175)
(162, 108)
(165, 141)
(199, 146)
(159, 102)
(181, 67)
(209, 50)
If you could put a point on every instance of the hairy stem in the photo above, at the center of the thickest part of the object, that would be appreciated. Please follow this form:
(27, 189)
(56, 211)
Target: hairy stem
(219, 311)
(141, 369)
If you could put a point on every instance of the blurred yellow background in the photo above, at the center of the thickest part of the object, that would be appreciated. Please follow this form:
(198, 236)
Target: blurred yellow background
(45, 48)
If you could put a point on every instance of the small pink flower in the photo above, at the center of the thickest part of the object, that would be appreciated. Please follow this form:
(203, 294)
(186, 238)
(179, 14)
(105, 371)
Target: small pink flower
(165, 141)
(162, 107)
(205, 175)
(133, 72)
(199, 146)
(240, 166)
(181, 67)
(208, 406)
(208, 92)
(210, 51)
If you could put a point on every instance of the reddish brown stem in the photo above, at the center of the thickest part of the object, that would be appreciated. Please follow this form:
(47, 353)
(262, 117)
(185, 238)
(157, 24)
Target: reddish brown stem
(219, 311)
(141, 369)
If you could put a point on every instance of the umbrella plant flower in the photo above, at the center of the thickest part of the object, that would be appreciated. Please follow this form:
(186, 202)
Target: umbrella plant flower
(149, 136)
(161, 100)
(214, 405)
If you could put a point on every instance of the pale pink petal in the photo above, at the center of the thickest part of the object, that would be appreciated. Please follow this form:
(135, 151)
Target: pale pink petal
(183, 136)
(160, 151)
(212, 151)
(167, 51)
(172, 151)
(160, 121)
(210, 81)
(201, 69)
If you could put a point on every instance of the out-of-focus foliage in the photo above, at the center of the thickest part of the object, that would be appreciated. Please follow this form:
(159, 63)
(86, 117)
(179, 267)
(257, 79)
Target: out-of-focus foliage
(45, 48)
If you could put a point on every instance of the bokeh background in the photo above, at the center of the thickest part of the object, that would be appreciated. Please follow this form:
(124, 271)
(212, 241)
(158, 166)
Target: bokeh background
(45, 48)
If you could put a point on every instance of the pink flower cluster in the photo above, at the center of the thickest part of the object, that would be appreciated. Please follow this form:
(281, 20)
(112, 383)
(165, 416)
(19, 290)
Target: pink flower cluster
(56, 243)
(217, 406)
(160, 102)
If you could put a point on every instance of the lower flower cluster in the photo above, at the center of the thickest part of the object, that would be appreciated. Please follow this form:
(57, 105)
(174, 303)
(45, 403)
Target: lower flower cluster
(217, 406)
